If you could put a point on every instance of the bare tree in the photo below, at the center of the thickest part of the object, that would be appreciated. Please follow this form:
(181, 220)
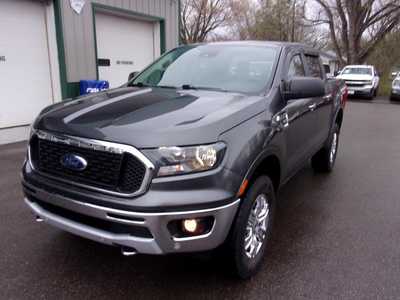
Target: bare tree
(281, 20)
(358, 26)
(243, 18)
(201, 17)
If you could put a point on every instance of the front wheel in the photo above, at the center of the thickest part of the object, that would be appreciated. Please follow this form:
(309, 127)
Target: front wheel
(376, 92)
(324, 159)
(371, 95)
(252, 228)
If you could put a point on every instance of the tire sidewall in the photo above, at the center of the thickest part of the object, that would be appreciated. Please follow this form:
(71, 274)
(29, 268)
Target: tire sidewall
(246, 267)
(337, 131)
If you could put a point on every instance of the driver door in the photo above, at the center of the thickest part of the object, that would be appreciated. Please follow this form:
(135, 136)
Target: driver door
(301, 119)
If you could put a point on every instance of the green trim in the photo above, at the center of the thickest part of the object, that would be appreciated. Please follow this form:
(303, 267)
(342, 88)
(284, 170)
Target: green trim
(179, 22)
(73, 89)
(106, 8)
(97, 7)
(68, 89)
(163, 41)
(61, 49)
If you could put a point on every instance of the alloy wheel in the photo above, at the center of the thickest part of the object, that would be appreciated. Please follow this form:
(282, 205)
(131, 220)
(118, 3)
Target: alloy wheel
(332, 153)
(257, 225)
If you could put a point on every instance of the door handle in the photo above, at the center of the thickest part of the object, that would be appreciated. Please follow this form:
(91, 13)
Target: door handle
(281, 121)
(313, 106)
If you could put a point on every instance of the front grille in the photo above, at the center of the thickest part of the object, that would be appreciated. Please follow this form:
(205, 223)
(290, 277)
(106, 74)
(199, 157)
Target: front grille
(113, 227)
(356, 83)
(116, 172)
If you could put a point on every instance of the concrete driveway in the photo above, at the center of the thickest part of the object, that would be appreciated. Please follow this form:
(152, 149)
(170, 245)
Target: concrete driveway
(337, 236)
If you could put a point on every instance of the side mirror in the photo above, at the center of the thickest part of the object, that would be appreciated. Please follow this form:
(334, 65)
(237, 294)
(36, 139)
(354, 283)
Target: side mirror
(132, 75)
(336, 73)
(303, 87)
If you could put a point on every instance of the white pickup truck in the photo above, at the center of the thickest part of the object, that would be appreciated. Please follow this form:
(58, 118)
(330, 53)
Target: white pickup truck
(361, 80)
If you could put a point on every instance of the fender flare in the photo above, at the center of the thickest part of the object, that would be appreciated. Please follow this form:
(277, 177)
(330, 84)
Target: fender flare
(269, 151)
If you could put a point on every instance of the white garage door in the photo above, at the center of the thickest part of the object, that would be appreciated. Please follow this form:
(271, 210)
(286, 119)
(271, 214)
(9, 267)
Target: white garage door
(124, 45)
(25, 79)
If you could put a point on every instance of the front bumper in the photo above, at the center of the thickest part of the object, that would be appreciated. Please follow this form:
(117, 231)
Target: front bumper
(160, 240)
(363, 90)
(396, 92)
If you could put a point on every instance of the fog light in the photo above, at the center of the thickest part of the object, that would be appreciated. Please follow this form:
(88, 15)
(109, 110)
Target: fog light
(190, 225)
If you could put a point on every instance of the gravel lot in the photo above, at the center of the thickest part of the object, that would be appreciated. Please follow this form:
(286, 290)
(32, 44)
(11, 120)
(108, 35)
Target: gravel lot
(337, 236)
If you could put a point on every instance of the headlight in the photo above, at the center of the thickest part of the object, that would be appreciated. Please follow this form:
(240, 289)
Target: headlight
(184, 160)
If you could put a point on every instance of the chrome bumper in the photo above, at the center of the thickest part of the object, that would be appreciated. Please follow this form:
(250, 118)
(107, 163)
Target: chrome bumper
(360, 89)
(396, 91)
(161, 243)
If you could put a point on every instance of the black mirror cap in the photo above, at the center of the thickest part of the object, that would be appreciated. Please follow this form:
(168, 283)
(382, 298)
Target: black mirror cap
(304, 87)
(132, 75)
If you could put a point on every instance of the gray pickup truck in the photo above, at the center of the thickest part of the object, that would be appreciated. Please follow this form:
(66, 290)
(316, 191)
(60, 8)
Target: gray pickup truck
(190, 154)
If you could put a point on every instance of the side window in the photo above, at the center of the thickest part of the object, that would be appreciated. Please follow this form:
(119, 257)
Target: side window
(314, 66)
(296, 67)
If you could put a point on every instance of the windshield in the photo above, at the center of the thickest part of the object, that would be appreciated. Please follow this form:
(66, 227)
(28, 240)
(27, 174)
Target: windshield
(237, 68)
(358, 71)
(396, 82)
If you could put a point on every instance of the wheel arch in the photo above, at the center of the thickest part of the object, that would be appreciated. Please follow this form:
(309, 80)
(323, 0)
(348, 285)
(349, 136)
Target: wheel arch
(268, 163)
(339, 118)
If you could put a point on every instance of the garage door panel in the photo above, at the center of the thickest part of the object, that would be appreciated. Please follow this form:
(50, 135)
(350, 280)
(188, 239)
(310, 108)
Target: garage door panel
(25, 74)
(129, 44)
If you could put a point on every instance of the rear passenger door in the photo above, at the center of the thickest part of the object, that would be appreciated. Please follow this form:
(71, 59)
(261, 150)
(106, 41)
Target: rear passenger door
(299, 132)
(322, 105)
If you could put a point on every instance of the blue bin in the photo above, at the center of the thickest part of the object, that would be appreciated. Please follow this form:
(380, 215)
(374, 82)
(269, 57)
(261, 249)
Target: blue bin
(92, 86)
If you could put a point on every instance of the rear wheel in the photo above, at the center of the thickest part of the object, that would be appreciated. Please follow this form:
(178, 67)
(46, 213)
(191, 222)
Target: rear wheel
(252, 228)
(324, 159)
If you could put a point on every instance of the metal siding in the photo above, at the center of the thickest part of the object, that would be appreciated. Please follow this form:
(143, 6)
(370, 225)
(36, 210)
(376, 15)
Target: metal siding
(79, 31)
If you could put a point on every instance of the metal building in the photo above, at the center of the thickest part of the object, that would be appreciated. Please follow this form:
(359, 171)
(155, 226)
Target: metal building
(48, 46)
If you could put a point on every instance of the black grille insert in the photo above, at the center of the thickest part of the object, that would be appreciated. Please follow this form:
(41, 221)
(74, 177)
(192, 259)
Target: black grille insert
(122, 173)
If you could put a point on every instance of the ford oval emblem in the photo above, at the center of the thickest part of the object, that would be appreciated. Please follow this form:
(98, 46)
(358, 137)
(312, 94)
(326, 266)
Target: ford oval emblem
(73, 162)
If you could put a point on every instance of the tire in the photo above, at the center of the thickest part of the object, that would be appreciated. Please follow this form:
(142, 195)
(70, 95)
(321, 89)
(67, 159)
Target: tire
(260, 199)
(371, 95)
(324, 160)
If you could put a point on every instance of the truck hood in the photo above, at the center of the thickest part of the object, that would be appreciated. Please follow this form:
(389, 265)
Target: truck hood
(361, 77)
(151, 117)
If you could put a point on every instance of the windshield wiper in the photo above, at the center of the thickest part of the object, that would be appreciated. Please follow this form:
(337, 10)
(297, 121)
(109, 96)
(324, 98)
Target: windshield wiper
(166, 87)
(141, 84)
(192, 87)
